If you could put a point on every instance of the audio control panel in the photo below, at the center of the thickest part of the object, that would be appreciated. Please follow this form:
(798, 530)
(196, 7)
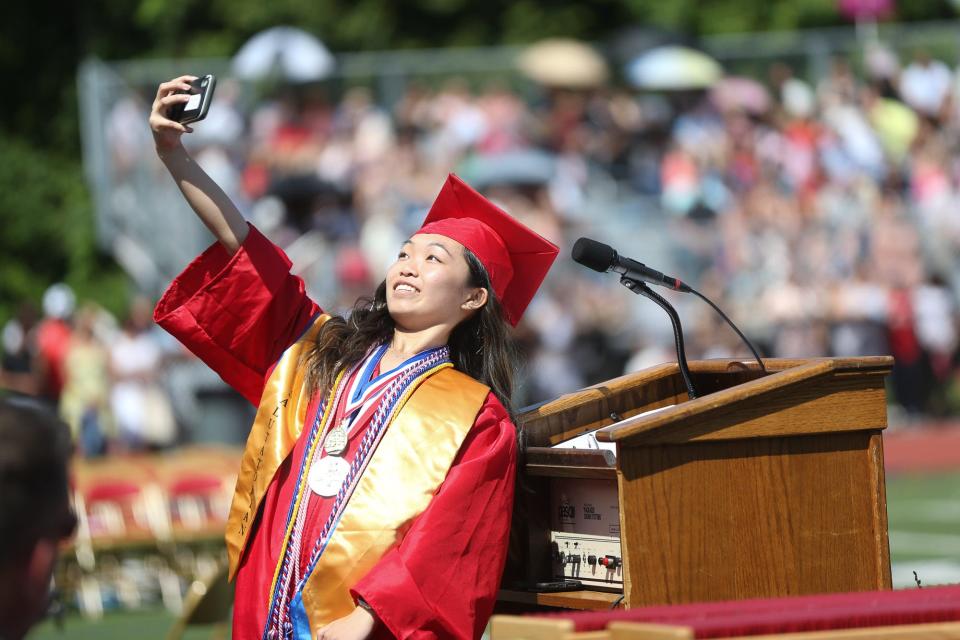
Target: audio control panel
(585, 532)
(593, 560)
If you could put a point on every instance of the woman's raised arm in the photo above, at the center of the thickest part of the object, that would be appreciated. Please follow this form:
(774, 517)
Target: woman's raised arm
(207, 199)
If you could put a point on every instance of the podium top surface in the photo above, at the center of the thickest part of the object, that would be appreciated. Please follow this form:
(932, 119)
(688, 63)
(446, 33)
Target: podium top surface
(794, 397)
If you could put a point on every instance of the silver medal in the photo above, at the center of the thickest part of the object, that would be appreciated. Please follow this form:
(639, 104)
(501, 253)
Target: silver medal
(336, 441)
(327, 475)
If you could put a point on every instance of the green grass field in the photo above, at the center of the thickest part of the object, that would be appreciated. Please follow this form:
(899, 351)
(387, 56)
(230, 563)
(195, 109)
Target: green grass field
(117, 626)
(923, 513)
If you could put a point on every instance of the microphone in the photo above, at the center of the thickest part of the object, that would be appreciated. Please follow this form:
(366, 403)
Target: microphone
(602, 257)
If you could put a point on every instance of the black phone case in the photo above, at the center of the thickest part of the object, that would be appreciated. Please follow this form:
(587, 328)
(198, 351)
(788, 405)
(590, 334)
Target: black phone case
(179, 113)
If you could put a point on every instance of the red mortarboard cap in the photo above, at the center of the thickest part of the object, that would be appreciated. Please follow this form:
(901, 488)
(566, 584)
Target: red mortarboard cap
(516, 258)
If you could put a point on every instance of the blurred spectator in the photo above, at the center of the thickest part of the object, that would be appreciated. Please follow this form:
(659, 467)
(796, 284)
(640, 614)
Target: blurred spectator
(911, 371)
(84, 403)
(858, 313)
(17, 366)
(925, 84)
(53, 338)
(35, 514)
(140, 407)
(936, 322)
(840, 85)
(882, 67)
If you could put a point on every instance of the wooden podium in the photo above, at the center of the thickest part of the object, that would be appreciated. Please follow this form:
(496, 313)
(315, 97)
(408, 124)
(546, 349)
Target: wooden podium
(765, 485)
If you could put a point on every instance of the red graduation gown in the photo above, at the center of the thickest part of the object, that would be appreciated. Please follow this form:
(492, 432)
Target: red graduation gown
(238, 313)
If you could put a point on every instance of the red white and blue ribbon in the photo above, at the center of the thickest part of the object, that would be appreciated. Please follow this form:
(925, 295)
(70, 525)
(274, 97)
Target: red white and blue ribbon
(364, 396)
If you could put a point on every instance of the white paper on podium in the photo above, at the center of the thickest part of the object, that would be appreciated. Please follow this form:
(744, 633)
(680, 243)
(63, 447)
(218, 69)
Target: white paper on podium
(589, 440)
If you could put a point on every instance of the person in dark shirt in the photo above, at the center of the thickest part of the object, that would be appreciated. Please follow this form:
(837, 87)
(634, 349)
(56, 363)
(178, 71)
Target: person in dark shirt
(35, 513)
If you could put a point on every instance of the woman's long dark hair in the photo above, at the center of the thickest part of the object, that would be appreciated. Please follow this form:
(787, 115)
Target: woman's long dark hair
(480, 346)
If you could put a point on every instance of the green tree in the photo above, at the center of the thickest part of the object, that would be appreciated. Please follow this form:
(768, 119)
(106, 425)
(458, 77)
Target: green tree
(47, 223)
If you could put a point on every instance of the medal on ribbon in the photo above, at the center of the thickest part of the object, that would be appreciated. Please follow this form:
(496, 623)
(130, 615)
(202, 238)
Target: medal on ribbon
(327, 475)
(335, 443)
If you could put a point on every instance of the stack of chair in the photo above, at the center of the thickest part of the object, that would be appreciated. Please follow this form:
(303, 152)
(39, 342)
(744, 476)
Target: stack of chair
(122, 517)
(198, 484)
(148, 524)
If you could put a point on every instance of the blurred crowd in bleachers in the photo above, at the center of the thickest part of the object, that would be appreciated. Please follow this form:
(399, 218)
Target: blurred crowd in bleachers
(150, 518)
(821, 215)
(105, 377)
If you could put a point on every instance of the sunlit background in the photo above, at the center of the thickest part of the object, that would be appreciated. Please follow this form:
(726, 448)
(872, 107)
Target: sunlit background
(795, 161)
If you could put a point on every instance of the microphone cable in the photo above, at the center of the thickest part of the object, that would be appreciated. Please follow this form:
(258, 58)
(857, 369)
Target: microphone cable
(733, 326)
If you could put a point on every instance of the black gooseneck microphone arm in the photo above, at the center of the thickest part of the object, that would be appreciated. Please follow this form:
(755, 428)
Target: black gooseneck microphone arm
(642, 289)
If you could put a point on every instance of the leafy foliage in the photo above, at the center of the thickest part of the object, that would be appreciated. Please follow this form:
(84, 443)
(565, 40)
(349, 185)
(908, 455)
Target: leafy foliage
(48, 234)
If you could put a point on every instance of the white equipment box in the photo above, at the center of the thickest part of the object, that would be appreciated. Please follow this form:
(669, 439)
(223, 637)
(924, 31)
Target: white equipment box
(585, 532)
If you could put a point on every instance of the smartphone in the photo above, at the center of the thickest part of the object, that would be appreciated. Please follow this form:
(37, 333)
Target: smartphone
(195, 109)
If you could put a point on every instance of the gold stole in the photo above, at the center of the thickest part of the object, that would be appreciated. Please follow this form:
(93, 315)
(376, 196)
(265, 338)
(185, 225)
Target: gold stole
(406, 470)
(279, 421)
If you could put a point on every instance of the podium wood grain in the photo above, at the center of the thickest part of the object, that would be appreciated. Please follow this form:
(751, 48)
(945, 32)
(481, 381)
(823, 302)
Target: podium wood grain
(768, 484)
(753, 518)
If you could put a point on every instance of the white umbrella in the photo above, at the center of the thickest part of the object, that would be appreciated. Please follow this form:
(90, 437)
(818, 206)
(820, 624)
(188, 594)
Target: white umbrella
(290, 52)
(673, 68)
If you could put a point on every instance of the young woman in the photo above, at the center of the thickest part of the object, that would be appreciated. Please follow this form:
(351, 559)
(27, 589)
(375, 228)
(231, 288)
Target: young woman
(375, 491)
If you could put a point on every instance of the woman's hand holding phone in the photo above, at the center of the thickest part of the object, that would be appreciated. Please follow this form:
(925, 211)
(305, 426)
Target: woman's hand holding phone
(167, 132)
(204, 196)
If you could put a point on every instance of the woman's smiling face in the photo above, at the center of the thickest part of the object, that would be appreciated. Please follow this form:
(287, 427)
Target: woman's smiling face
(428, 285)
